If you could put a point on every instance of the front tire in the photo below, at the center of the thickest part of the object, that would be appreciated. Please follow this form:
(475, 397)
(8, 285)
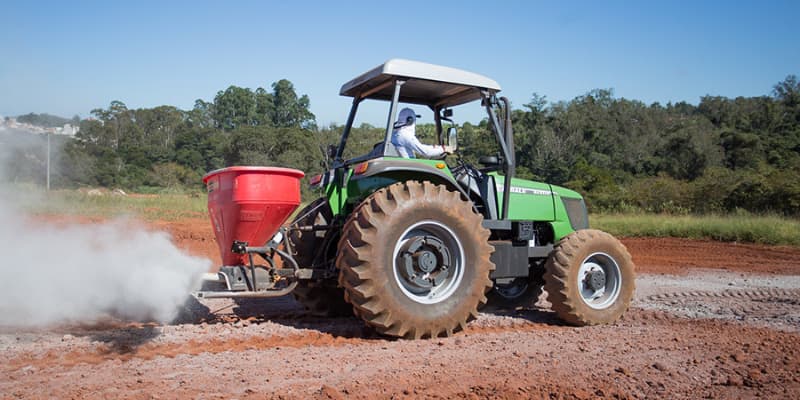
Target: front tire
(589, 278)
(414, 260)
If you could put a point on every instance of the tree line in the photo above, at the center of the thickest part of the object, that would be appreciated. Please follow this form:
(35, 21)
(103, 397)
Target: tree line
(721, 155)
(165, 147)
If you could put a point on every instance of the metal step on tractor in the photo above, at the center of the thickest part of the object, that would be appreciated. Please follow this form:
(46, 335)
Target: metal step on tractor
(413, 246)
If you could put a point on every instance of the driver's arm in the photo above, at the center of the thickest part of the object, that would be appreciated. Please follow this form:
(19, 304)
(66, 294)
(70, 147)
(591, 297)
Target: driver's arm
(425, 149)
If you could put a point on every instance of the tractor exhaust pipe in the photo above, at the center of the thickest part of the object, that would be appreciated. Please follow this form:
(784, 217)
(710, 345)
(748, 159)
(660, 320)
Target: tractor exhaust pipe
(510, 156)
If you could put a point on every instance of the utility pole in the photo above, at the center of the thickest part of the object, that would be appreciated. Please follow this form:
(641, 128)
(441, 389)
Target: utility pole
(48, 161)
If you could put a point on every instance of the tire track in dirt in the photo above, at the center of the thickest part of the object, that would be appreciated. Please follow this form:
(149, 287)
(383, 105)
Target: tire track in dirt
(93, 353)
(791, 296)
(101, 353)
(774, 306)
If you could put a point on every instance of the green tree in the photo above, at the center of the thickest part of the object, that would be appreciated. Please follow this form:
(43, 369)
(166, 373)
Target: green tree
(235, 107)
(788, 91)
(288, 110)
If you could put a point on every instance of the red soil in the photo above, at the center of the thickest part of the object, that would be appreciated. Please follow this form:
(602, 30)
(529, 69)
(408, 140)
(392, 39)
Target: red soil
(649, 354)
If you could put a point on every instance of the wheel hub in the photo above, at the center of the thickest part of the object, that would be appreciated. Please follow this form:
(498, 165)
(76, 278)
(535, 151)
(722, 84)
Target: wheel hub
(428, 262)
(599, 281)
(425, 263)
(425, 260)
(595, 280)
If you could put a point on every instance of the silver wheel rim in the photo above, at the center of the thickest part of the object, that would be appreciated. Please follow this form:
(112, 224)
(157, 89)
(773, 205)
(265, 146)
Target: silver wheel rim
(444, 278)
(599, 281)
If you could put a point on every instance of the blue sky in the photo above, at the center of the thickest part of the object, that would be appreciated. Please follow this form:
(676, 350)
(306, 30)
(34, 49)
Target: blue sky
(67, 59)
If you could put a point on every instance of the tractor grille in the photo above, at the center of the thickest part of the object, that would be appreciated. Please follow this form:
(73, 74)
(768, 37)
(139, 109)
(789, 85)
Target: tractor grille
(576, 211)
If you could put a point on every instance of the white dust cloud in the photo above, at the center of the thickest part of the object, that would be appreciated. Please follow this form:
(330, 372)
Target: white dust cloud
(59, 273)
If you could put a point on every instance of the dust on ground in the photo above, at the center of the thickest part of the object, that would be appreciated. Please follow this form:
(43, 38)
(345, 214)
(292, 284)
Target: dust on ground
(709, 320)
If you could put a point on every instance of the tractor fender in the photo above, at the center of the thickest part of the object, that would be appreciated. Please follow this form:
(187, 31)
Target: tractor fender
(404, 170)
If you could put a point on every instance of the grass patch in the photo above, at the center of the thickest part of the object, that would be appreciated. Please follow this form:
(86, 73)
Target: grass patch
(170, 207)
(747, 228)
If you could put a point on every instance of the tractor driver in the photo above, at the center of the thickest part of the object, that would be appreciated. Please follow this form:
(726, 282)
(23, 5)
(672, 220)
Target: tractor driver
(404, 138)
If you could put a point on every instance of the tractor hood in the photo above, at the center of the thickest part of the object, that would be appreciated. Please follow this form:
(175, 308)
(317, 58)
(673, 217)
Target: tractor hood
(564, 192)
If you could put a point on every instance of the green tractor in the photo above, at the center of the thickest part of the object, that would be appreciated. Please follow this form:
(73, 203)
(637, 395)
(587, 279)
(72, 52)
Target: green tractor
(416, 247)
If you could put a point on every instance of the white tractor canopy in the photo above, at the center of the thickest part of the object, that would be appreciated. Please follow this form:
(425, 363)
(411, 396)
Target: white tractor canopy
(427, 84)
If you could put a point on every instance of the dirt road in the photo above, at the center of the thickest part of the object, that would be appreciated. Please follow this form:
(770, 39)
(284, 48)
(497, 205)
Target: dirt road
(709, 320)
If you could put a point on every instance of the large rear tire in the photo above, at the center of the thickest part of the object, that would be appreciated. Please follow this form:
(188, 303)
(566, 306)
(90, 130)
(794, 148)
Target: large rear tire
(414, 260)
(322, 299)
(589, 278)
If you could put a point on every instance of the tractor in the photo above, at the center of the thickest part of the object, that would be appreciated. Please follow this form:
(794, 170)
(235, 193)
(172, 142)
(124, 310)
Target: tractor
(416, 247)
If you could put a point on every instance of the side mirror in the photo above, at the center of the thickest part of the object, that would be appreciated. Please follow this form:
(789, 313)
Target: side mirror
(489, 161)
(452, 137)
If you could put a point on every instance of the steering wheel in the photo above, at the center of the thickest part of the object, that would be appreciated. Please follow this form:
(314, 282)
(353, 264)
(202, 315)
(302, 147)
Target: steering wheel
(465, 168)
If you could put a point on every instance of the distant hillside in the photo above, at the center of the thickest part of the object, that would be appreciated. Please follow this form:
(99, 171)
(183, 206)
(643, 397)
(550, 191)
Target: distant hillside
(44, 120)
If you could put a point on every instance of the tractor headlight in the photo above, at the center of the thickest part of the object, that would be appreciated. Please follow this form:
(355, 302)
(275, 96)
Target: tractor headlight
(576, 211)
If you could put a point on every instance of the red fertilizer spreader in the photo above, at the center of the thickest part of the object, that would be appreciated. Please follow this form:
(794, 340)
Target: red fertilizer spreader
(247, 206)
